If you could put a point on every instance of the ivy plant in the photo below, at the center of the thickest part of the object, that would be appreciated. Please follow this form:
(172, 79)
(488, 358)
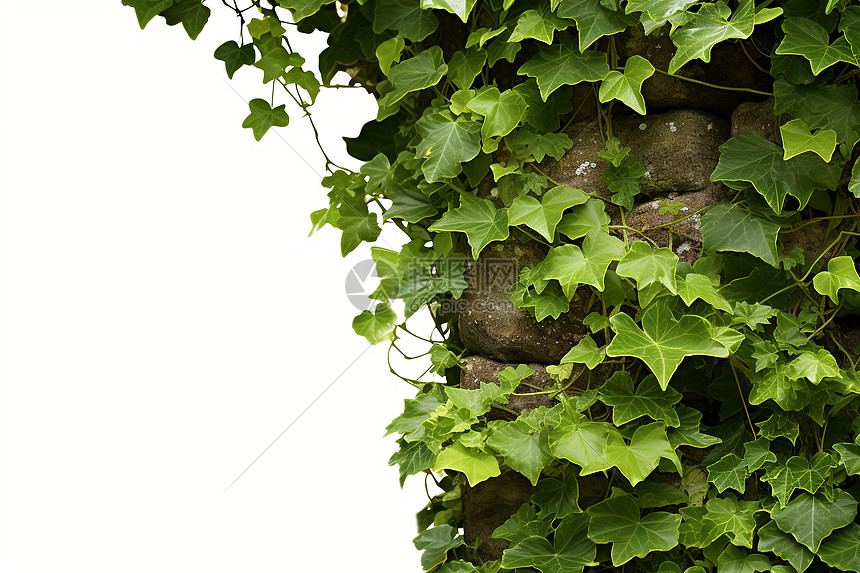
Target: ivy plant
(719, 409)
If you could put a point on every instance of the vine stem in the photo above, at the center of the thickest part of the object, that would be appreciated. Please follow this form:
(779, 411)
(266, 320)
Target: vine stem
(741, 392)
(715, 86)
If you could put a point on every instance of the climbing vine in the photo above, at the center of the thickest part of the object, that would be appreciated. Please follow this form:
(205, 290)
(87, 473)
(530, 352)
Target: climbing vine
(703, 417)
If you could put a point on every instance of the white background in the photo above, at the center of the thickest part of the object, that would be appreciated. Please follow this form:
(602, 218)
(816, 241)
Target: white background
(165, 317)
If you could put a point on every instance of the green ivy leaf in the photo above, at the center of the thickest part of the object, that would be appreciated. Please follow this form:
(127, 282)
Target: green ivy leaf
(842, 549)
(435, 543)
(522, 525)
(623, 181)
(693, 530)
(694, 286)
(415, 412)
(829, 106)
(713, 23)
(582, 219)
(502, 112)
(404, 17)
(263, 117)
(479, 219)
(749, 159)
(617, 520)
(446, 143)
(648, 399)
(234, 56)
(663, 342)
(735, 519)
(811, 518)
(541, 145)
(688, 433)
(539, 24)
(192, 14)
(562, 64)
(375, 326)
(464, 67)
(730, 227)
(461, 8)
(797, 139)
(736, 560)
(570, 552)
(658, 10)
(806, 38)
(799, 473)
(780, 425)
(778, 385)
(412, 458)
(303, 8)
(414, 74)
(275, 63)
(729, 472)
(544, 215)
(475, 464)
(585, 352)
(647, 266)
(841, 273)
(815, 366)
(850, 457)
(573, 266)
(849, 24)
(524, 445)
(627, 86)
(146, 10)
(757, 453)
(593, 20)
(771, 538)
(559, 498)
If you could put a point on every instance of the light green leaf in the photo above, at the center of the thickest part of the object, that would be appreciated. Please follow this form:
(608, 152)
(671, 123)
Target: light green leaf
(479, 219)
(776, 384)
(841, 273)
(735, 519)
(617, 520)
(582, 219)
(730, 227)
(757, 453)
(811, 518)
(571, 551)
(523, 524)
(524, 446)
(648, 399)
(483, 35)
(562, 64)
(573, 266)
(234, 56)
(412, 458)
(658, 10)
(729, 472)
(464, 67)
(375, 326)
(627, 86)
(303, 8)
(502, 112)
(458, 567)
(414, 74)
(460, 8)
(749, 159)
(850, 457)
(842, 549)
(544, 215)
(263, 117)
(814, 366)
(404, 17)
(694, 532)
(828, 106)
(663, 342)
(435, 543)
(712, 24)
(780, 425)
(410, 422)
(476, 465)
(446, 143)
(771, 538)
(389, 52)
(593, 20)
(797, 139)
(557, 497)
(806, 38)
(538, 24)
(647, 266)
(799, 473)
(585, 352)
(736, 560)
(695, 286)
(275, 63)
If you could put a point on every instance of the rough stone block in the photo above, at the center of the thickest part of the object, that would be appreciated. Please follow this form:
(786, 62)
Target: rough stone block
(757, 117)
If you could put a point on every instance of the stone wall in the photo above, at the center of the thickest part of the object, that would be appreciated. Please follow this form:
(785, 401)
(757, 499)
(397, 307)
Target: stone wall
(677, 143)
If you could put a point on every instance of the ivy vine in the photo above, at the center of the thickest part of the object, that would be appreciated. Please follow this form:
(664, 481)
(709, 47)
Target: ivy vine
(714, 398)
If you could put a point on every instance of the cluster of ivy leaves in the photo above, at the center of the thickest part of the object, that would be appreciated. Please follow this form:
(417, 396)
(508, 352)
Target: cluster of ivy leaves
(725, 421)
